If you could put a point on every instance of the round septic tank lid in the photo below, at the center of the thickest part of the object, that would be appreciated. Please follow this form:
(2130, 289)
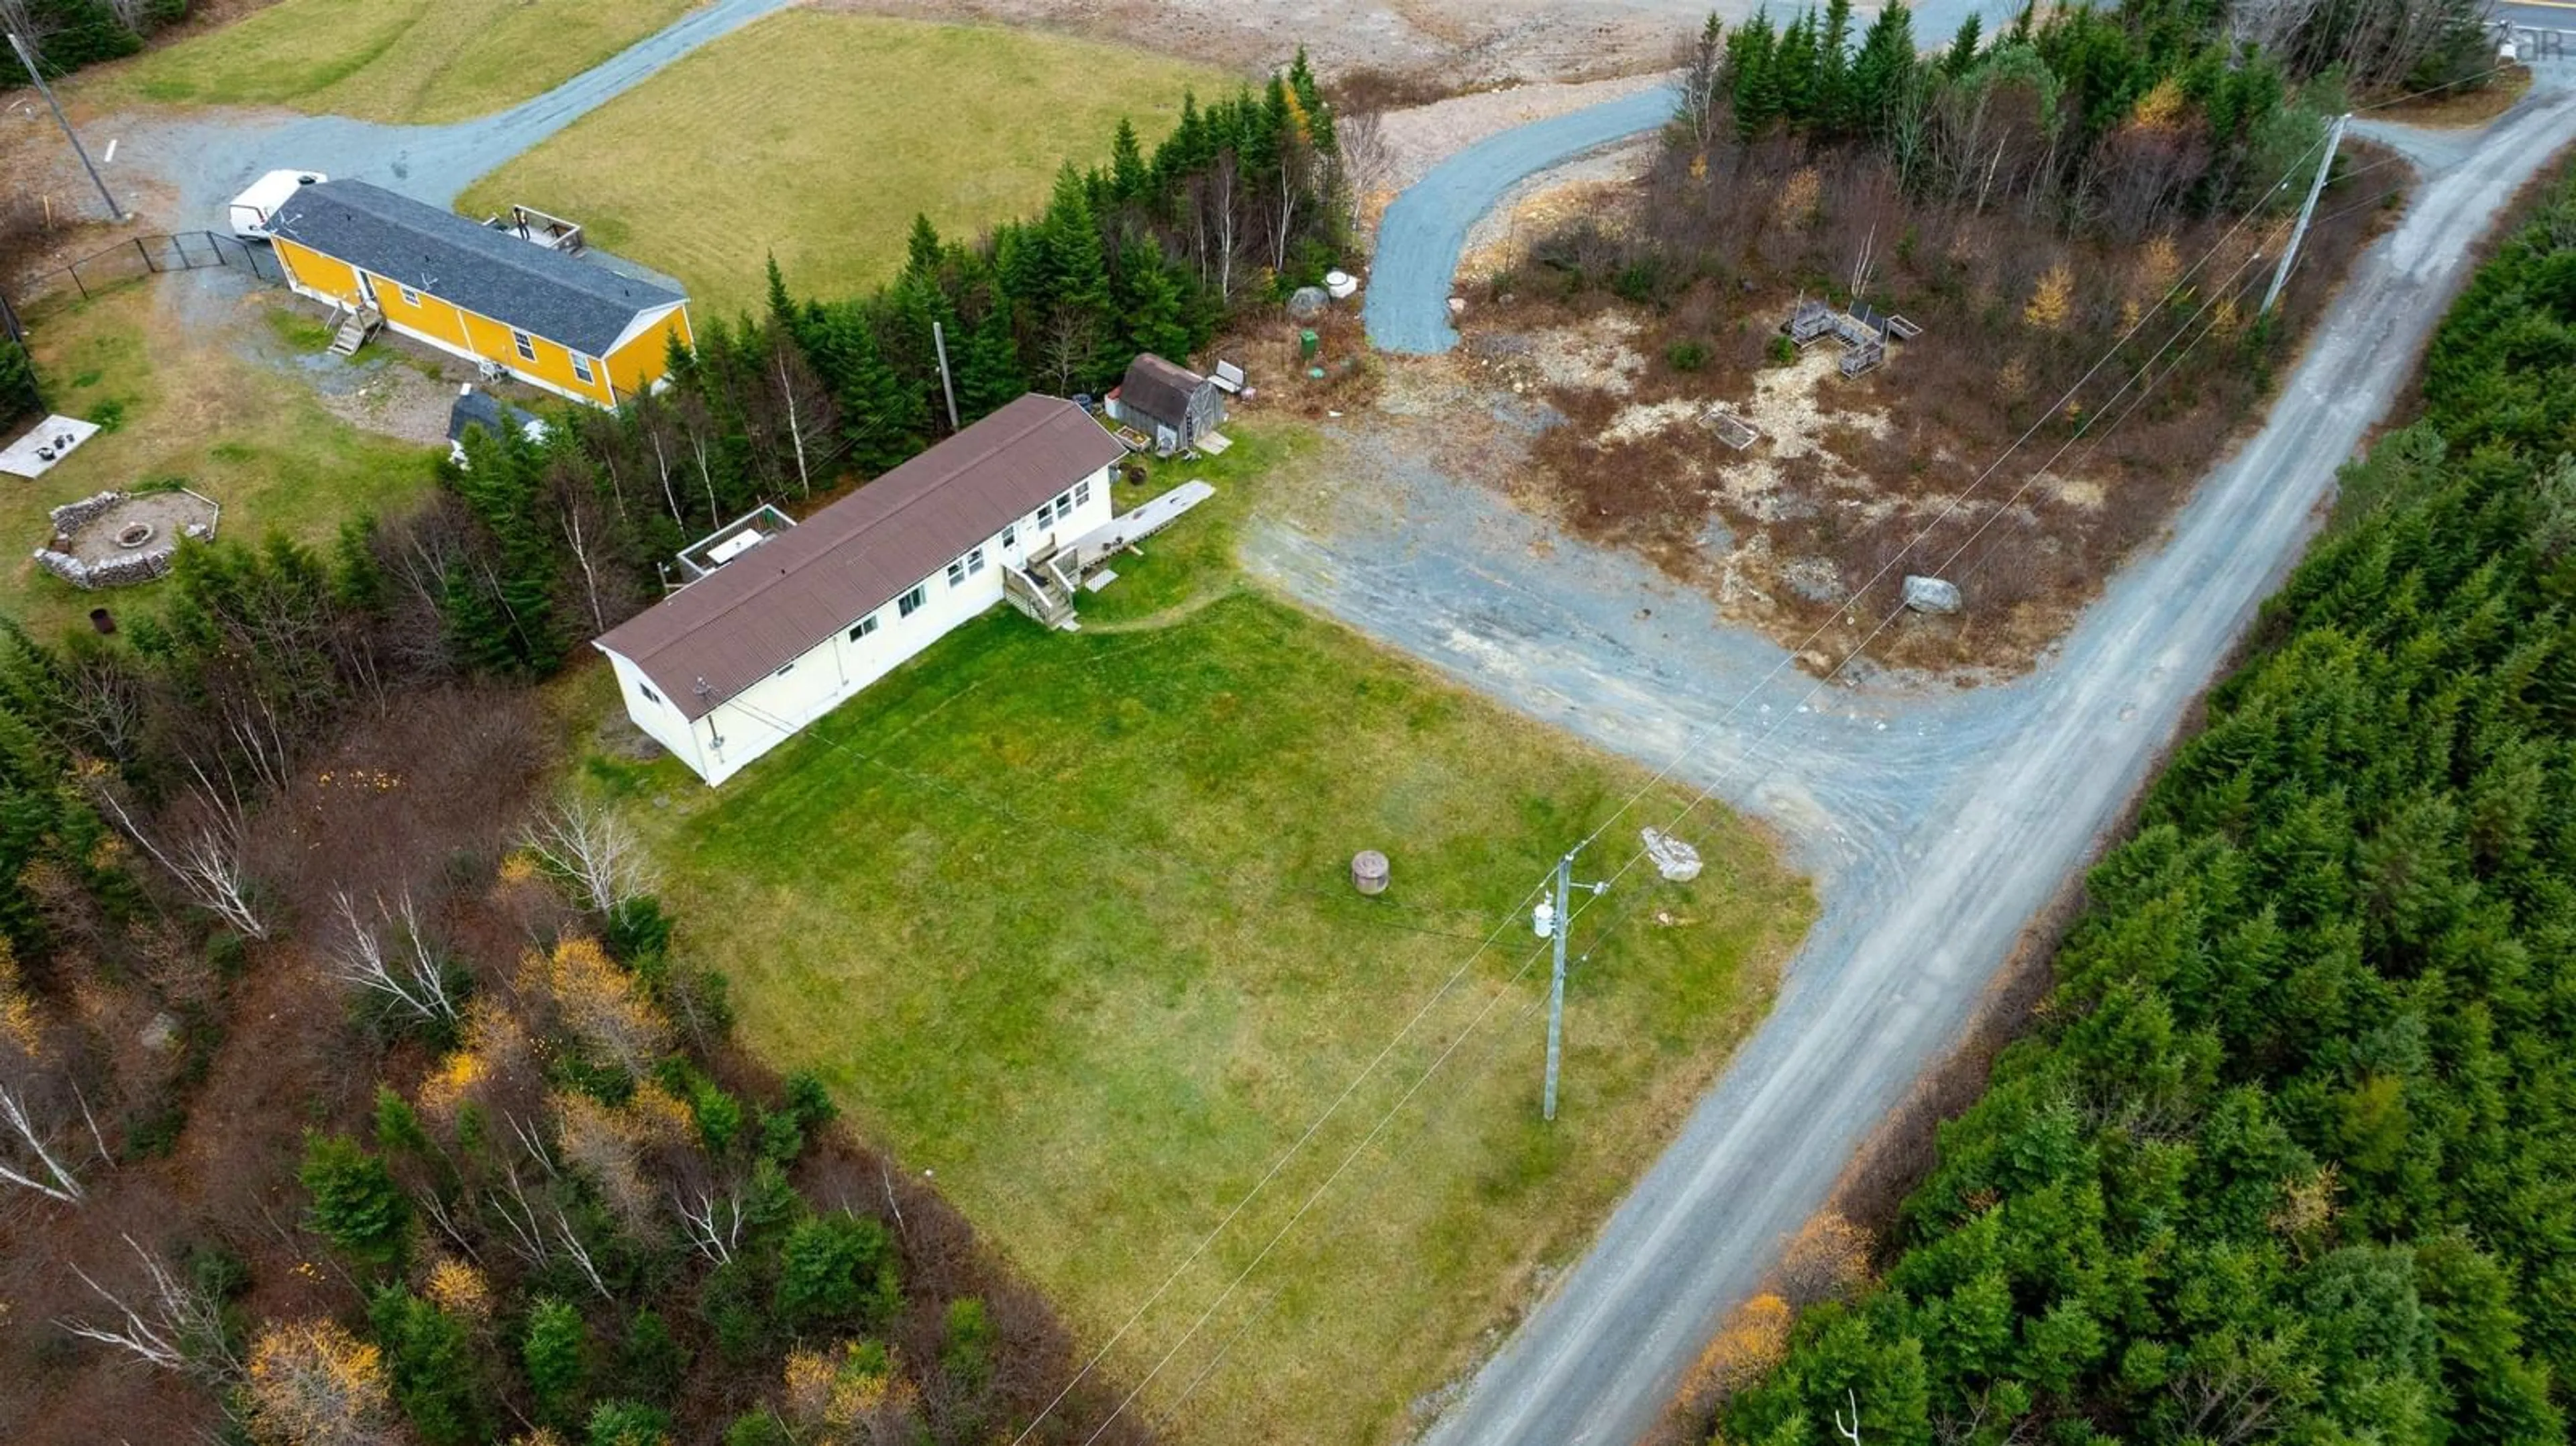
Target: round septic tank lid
(1368, 871)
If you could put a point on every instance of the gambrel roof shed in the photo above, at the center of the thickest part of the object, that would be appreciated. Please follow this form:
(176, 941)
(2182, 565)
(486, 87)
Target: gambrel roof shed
(1159, 390)
(486, 271)
(793, 592)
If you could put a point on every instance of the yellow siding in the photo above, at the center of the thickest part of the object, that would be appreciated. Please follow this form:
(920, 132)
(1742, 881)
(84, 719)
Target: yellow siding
(634, 368)
(317, 272)
(431, 318)
(553, 364)
(640, 363)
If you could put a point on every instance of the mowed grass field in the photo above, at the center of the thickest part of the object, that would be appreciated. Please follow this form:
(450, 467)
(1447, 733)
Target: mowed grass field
(192, 399)
(818, 136)
(1066, 919)
(416, 62)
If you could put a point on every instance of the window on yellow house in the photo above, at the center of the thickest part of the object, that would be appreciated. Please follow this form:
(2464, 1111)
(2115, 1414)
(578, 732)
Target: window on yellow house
(527, 348)
(581, 368)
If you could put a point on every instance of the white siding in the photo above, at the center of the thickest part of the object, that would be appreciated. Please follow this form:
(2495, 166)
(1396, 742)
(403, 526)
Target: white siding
(764, 715)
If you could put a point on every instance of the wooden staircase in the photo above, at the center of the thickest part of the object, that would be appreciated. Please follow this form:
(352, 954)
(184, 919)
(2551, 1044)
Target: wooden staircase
(1042, 592)
(356, 325)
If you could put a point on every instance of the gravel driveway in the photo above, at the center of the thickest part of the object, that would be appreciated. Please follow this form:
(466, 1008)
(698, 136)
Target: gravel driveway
(205, 158)
(1940, 823)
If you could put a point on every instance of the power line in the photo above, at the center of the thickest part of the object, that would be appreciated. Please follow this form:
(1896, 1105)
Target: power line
(1634, 900)
(1093, 1363)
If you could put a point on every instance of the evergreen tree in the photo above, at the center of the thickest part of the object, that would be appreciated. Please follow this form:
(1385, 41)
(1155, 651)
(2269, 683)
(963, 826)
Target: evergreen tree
(356, 1204)
(1130, 180)
(1152, 305)
(1756, 89)
(556, 1357)
(990, 375)
(782, 307)
(1836, 108)
(921, 250)
(1795, 71)
(1884, 69)
(431, 1357)
(1961, 57)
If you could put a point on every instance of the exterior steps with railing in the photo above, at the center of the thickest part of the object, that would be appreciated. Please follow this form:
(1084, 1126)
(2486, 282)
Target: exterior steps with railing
(355, 327)
(1041, 593)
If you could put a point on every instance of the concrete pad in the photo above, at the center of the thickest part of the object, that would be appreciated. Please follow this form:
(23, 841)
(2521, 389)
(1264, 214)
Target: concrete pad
(35, 454)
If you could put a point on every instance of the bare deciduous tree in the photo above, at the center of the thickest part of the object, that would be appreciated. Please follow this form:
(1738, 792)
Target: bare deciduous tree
(45, 1174)
(208, 863)
(172, 1325)
(593, 850)
(404, 968)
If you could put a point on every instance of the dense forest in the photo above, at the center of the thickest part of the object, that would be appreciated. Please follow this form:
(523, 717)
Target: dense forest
(529, 1188)
(68, 34)
(2288, 1154)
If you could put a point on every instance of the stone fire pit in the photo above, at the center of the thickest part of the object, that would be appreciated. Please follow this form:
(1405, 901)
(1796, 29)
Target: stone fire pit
(116, 539)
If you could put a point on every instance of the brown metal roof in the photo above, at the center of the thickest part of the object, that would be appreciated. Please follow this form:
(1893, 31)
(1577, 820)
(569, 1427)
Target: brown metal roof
(1158, 390)
(773, 604)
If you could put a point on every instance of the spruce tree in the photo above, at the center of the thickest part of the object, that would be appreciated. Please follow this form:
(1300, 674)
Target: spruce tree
(1883, 69)
(782, 307)
(1130, 181)
(1152, 304)
(989, 375)
(1835, 111)
(1757, 89)
(921, 250)
(1962, 53)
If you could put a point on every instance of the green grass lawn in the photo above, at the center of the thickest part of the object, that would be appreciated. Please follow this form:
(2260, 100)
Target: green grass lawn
(1066, 920)
(818, 136)
(407, 61)
(191, 400)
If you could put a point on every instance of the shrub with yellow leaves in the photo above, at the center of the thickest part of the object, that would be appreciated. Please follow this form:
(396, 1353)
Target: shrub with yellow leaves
(1828, 1261)
(17, 1007)
(849, 1396)
(460, 1290)
(2159, 262)
(314, 1384)
(2053, 301)
(605, 1145)
(598, 1003)
(1755, 1340)
(1800, 197)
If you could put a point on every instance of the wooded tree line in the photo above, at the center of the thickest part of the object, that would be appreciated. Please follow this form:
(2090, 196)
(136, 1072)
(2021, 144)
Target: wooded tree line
(68, 34)
(2121, 119)
(2287, 1154)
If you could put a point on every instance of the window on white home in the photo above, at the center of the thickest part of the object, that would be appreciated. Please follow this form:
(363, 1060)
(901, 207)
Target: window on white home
(409, 296)
(581, 367)
(957, 573)
(1010, 537)
(975, 560)
(910, 602)
(649, 695)
(527, 348)
(1046, 514)
(863, 627)
(1064, 504)
(1082, 492)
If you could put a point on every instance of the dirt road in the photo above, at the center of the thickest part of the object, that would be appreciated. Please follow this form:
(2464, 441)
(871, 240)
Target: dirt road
(205, 158)
(1940, 825)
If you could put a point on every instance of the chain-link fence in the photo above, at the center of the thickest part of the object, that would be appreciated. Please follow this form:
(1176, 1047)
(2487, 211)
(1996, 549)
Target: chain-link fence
(142, 256)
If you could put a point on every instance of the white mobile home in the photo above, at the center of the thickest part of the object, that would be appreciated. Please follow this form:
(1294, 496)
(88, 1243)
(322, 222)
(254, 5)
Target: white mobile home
(784, 631)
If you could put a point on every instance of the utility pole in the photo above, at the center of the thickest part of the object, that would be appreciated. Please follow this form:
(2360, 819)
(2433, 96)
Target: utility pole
(948, 389)
(27, 58)
(1550, 919)
(2298, 233)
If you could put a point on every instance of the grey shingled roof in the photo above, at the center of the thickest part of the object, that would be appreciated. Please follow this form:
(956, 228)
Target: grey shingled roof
(541, 292)
(482, 409)
(1158, 390)
(774, 603)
